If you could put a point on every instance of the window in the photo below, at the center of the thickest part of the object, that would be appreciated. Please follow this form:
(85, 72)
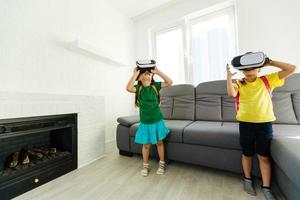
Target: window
(169, 53)
(212, 46)
(198, 49)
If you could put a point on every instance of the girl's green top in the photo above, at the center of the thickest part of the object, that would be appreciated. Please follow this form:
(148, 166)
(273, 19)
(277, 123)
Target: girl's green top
(148, 103)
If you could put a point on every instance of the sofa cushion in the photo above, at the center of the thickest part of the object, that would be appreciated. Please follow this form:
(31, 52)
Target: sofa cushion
(228, 109)
(291, 89)
(176, 129)
(283, 108)
(214, 134)
(166, 106)
(296, 105)
(213, 103)
(285, 148)
(208, 107)
(285, 152)
(178, 102)
(285, 130)
(128, 120)
(208, 100)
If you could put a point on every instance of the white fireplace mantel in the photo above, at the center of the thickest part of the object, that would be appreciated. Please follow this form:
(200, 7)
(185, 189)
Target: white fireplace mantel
(90, 110)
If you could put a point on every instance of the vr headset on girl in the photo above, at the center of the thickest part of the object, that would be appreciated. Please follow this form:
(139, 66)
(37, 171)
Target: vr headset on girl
(250, 60)
(145, 65)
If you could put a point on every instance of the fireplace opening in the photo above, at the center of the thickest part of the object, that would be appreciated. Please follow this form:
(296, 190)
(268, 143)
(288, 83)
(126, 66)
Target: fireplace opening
(35, 150)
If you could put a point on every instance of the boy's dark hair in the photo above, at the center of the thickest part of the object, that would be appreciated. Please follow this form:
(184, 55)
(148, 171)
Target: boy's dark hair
(137, 103)
(243, 81)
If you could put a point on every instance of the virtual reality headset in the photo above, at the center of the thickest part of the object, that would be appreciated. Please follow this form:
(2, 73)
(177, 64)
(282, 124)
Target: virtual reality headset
(145, 65)
(250, 60)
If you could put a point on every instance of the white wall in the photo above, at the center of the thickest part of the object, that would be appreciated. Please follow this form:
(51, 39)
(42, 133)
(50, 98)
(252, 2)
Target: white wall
(270, 26)
(34, 54)
(263, 25)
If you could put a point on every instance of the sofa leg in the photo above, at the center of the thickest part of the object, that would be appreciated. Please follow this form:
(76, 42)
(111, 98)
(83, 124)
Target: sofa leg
(125, 153)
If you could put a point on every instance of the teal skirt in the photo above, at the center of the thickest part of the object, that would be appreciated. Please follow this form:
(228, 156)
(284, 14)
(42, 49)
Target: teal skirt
(151, 133)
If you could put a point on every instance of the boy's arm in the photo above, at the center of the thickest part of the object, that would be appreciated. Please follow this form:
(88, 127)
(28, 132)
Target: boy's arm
(232, 89)
(167, 81)
(130, 85)
(286, 69)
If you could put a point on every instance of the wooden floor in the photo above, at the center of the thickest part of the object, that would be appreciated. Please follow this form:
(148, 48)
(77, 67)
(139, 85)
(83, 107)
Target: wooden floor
(118, 177)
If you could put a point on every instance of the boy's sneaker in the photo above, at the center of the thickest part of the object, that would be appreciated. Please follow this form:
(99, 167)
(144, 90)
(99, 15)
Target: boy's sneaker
(145, 170)
(268, 193)
(161, 167)
(249, 187)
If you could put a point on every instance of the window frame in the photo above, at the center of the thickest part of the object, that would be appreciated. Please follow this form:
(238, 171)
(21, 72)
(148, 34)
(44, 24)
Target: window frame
(186, 24)
(164, 29)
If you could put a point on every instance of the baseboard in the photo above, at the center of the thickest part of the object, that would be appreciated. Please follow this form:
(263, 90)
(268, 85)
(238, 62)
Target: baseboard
(85, 164)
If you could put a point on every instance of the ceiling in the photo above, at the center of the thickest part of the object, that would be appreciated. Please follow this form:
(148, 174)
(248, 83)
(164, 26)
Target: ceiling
(133, 8)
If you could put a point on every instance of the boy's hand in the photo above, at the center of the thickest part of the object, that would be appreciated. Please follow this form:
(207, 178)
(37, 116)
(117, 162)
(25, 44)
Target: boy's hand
(269, 63)
(229, 74)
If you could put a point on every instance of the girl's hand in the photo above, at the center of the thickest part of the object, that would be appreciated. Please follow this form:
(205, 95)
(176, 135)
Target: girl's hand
(155, 71)
(136, 71)
(229, 74)
(130, 85)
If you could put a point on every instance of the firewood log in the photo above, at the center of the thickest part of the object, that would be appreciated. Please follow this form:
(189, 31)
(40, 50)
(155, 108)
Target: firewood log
(41, 150)
(13, 160)
(35, 155)
(52, 150)
(24, 157)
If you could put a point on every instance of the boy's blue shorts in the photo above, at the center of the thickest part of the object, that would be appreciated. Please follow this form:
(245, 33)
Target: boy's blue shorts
(255, 138)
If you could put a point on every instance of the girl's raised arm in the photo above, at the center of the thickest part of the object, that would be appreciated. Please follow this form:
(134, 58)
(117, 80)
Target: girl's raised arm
(130, 85)
(167, 81)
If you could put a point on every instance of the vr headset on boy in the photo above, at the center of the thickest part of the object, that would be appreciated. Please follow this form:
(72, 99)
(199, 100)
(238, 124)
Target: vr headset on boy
(250, 60)
(145, 65)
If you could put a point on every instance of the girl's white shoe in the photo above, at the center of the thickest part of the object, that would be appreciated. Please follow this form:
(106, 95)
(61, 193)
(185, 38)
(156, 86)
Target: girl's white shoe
(161, 167)
(145, 170)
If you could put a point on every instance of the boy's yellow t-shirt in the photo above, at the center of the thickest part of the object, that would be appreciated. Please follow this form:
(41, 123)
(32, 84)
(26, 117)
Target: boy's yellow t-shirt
(255, 103)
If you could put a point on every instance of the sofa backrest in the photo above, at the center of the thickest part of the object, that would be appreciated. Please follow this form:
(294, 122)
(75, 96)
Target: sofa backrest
(178, 102)
(213, 103)
(286, 101)
(210, 102)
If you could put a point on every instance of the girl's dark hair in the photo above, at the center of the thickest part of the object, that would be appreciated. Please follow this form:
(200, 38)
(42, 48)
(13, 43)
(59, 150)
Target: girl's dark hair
(137, 103)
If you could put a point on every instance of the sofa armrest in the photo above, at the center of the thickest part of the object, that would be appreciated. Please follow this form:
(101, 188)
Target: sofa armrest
(128, 120)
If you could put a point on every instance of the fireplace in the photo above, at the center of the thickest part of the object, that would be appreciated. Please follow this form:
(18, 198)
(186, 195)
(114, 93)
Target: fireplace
(35, 150)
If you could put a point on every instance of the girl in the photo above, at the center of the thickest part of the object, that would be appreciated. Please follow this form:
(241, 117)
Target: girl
(152, 129)
(255, 115)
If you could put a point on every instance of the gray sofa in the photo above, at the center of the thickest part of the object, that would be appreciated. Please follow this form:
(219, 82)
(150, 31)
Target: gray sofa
(204, 130)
